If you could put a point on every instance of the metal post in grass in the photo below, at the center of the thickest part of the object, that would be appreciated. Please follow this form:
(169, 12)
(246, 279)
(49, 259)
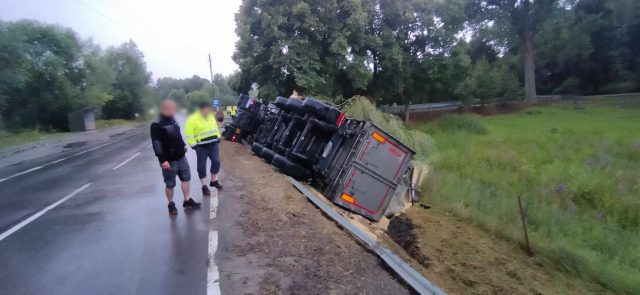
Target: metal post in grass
(524, 226)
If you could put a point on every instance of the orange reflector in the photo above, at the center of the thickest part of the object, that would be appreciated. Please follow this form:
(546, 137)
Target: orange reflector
(379, 137)
(348, 199)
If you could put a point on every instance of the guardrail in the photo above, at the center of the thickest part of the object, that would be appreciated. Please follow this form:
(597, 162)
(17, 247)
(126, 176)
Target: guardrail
(399, 109)
(412, 277)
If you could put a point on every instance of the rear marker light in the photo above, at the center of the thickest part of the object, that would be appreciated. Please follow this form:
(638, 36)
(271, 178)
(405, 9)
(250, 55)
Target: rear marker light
(347, 198)
(379, 137)
(340, 119)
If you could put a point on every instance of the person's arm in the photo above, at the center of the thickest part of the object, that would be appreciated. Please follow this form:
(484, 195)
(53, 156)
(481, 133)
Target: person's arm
(190, 132)
(156, 143)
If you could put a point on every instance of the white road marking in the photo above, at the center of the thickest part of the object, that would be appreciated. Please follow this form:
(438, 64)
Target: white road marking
(58, 160)
(23, 172)
(62, 159)
(213, 275)
(33, 217)
(126, 161)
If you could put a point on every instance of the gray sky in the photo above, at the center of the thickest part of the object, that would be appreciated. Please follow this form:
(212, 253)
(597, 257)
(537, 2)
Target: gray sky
(175, 36)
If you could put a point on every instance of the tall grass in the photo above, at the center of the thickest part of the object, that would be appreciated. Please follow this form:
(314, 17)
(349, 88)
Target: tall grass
(577, 169)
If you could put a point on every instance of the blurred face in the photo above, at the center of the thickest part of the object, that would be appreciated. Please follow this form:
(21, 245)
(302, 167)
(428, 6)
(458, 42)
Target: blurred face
(168, 108)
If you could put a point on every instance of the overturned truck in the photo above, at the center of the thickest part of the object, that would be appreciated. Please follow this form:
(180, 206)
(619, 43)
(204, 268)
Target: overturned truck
(352, 162)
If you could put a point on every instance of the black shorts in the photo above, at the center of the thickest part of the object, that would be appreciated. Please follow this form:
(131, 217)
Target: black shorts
(178, 168)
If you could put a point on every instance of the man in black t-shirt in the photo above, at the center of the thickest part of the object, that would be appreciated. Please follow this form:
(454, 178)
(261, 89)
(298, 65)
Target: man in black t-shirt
(170, 149)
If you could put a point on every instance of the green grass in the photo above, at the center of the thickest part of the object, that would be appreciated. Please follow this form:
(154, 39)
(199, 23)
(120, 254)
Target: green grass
(11, 139)
(577, 170)
(101, 124)
(8, 139)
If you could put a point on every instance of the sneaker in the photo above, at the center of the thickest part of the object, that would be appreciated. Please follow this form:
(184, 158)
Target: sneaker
(205, 191)
(215, 184)
(190, 204)
(172, 209)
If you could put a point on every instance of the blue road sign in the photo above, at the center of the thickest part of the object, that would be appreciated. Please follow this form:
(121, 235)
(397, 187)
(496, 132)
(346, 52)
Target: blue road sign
(216, 103)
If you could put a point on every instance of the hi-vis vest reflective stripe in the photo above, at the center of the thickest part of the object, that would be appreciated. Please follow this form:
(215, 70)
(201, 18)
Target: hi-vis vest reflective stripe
(201, 130)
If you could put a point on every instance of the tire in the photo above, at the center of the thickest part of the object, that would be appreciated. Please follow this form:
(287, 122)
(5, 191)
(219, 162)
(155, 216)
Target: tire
(332, 115)
(257, 148)
(281, 103)
(289, 168)
(294, 105)
(229, 130)
(267, 155)
(314, 107)
(298, 158)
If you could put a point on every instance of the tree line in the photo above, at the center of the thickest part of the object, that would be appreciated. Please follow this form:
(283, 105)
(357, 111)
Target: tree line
(430, 50)
(196, 89)
(47, 71)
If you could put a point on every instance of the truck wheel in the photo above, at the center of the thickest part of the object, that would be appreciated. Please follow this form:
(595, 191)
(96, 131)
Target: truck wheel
(281, 103)
(294, 105)
(267, 155)
(229, 131)
(332, 115)
(256, 148)
(314, 107)
(289, 168)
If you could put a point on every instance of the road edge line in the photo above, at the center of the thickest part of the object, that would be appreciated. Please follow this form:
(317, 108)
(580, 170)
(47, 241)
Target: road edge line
(213, 274)
(35, 216)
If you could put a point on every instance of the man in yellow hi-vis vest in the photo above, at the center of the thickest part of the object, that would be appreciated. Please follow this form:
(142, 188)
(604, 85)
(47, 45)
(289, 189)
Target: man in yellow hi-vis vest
(203, 136)
(232, 111)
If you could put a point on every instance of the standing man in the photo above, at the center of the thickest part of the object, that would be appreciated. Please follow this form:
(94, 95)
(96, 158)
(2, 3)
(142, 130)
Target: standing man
(203, 136)
(170, 149)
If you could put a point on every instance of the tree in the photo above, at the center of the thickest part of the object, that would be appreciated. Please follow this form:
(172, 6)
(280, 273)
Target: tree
(99, 79)
(225, 93)
(131, 79)
(514, 24)
(197, 97)
(40, 75)
(178, 95)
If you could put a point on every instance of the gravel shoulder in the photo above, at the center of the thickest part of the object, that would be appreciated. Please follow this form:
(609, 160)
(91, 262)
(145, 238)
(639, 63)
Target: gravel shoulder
(273, 241)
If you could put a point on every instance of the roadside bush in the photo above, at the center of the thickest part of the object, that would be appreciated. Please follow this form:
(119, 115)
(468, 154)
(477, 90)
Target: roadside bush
(362, 109)
(456, 123)
(620, 87)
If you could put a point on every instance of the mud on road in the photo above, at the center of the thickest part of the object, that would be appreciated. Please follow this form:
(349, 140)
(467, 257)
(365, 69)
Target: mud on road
(273, 241)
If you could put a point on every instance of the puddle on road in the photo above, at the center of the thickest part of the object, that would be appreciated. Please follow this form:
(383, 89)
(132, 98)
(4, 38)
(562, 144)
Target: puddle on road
(73, 145)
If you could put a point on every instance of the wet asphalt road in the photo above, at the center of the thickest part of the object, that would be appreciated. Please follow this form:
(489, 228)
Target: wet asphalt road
(112, 237)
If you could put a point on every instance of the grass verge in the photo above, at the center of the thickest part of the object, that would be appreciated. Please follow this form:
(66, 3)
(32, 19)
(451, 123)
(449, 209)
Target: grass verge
(8, 139)
(11, 139)
(577, 169)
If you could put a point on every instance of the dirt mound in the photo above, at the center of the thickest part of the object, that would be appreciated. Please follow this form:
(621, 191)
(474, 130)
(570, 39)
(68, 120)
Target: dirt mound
(463, 259)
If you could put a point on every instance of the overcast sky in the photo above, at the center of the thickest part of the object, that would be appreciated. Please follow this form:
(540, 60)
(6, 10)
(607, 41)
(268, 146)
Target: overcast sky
(175, 36)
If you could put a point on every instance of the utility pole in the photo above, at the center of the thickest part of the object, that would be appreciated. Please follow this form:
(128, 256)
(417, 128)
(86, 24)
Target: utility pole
(210, 68)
